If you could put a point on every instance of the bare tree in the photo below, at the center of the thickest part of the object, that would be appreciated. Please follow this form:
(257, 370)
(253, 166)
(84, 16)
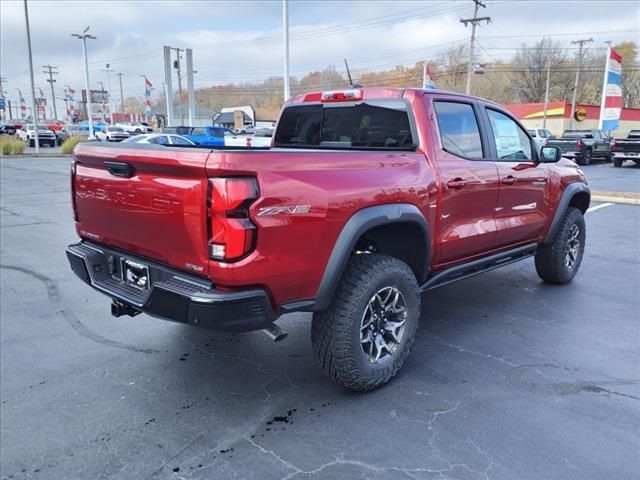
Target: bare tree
(530, 70)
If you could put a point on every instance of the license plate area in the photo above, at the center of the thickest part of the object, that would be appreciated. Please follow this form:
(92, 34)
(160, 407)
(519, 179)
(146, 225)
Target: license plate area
(135, 274)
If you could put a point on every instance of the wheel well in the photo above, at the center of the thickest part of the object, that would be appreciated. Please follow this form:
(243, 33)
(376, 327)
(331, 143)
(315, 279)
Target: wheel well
(405, 241)
(581, 201)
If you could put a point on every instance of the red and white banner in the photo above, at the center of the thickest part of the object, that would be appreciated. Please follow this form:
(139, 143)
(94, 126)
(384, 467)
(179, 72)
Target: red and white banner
(611, 105)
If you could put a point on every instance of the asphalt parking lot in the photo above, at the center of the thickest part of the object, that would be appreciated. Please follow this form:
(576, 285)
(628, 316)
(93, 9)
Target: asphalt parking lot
(509, 378)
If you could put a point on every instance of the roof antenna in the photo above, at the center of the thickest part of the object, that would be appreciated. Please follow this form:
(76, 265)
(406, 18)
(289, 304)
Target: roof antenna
(348, 72)
(353, 85)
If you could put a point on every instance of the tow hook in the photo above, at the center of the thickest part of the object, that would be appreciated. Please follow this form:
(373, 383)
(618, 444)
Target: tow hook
(275, 333)
(118, 309)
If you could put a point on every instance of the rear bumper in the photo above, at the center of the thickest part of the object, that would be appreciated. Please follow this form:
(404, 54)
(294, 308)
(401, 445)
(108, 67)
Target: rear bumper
(173, 295)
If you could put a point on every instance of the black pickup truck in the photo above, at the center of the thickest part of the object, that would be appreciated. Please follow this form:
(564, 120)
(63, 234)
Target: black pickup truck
(583, 145)
(627, 149)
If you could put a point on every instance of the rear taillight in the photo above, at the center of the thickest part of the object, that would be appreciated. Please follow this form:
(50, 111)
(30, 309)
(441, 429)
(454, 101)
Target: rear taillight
(231, 233)
(613, 145)
(73, 190)
(579, 144)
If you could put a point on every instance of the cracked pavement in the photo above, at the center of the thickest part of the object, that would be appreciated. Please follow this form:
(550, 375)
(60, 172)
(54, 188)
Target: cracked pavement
(509, 378)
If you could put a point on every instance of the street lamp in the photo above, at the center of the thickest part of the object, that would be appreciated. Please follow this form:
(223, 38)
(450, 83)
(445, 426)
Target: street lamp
(83, 36)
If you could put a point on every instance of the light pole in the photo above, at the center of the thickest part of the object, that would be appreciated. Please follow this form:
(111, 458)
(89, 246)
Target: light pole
(285, 27)
(121, 93)
(104, 116)
(33, 85)
(109, 70)
(83, 36)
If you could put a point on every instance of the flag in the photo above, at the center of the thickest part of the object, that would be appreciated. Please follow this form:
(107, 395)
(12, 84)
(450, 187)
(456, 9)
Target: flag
(147, 94)
(611, 105)
(23, 105)
(427, 79)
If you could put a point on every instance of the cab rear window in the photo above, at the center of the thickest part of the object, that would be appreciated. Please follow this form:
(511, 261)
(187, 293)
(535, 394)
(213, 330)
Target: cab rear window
(381, 125)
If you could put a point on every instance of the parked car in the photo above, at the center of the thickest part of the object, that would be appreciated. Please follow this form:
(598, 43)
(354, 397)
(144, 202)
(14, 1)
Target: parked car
(540, 136)
(627, 149)
(53, 125)
(97, 125)
(583, 145)
(345, 218)
(135, 127)
(159, 139)
(112, 134)
(180, 130)
(45, 136)
(246, 130)
(210, 136)
(6, 129)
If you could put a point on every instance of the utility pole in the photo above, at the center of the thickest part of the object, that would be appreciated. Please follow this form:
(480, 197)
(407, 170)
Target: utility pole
(51, 70)
(83, 36)
(108, 71)
(34, 111)
(285, 26)
(121, 93)
(575, 85)
(546, 93)
(473, 21)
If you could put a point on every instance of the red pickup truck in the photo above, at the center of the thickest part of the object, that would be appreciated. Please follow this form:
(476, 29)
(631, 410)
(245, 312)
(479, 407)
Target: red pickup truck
(367, 198)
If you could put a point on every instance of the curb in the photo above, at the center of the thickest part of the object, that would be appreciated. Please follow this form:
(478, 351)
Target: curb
(624, 200)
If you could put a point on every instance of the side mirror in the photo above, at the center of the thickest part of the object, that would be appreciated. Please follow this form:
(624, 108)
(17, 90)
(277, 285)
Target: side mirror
(549, 154)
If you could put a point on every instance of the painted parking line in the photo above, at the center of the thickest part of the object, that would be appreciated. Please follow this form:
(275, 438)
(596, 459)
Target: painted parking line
(598, 207)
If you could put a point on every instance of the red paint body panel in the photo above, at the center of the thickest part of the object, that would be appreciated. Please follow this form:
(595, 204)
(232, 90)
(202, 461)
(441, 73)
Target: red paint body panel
(161, 211)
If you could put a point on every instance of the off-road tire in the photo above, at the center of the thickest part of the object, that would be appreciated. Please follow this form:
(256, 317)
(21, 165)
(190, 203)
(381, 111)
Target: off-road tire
(550, 259)
(617, 162)
(335, 332)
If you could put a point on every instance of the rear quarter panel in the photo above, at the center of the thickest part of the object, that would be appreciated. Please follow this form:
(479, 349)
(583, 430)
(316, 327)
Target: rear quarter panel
(293, 250)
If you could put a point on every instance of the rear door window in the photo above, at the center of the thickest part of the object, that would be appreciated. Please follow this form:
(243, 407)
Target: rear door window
(459, 131)
(369, 125)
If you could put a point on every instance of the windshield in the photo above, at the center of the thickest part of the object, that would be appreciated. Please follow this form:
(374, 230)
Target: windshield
(115, 129)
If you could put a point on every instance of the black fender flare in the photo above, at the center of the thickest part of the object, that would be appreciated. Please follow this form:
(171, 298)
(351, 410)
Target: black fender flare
(360, 222)
(571, 191)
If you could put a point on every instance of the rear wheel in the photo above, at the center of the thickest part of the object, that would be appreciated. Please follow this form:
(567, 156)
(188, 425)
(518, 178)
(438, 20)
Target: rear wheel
(586, 158)
(560, 261)
(364, 337)
(617, 162)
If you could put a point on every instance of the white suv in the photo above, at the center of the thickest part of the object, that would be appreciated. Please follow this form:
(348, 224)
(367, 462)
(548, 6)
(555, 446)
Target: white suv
(45, 136)
(135, 127)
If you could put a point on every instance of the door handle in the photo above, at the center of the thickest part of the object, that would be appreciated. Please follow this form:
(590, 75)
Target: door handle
(119, 169)
(510, 180)
(456, 183)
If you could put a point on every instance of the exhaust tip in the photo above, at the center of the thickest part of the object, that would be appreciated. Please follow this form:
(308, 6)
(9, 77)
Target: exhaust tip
(275, 333)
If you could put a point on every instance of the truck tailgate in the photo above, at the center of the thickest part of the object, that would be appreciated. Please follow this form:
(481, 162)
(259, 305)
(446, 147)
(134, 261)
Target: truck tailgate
(150, 202)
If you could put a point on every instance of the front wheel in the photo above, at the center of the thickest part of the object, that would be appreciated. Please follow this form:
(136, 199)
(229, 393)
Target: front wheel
(364, 337)
(560, 261)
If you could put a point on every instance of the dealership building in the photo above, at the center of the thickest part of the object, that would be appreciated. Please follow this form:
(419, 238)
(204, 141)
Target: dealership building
(559, 117)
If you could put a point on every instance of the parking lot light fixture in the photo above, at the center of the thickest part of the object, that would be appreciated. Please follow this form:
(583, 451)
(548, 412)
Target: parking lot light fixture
(83, 36)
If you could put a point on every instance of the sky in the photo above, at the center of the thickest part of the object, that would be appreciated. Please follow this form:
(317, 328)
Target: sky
(241, 41)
